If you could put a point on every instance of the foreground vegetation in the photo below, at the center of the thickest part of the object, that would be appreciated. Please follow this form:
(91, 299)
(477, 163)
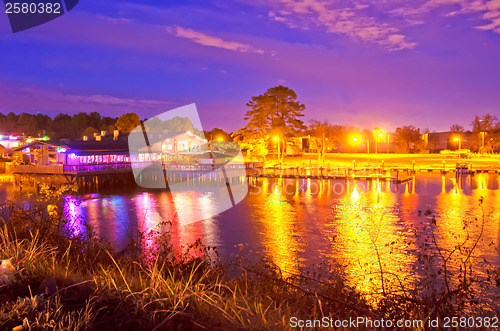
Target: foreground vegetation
(55, 279)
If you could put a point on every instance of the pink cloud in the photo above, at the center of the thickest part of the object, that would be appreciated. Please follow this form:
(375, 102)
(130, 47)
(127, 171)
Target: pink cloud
(488, 10)
(210, 41)
(350, 21)
(360, 21)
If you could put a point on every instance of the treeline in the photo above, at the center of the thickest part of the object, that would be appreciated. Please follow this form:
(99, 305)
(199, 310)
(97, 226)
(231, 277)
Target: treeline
(65, 126)
(59, 127)
(274, 118)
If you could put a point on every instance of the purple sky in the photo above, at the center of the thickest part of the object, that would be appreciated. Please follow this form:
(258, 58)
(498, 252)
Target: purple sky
(381, 63)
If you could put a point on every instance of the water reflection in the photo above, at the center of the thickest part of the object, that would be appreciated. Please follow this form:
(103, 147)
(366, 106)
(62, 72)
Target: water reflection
(277, 216)
(459, 221)
(366, 226)
(119, 219)
(370, 239)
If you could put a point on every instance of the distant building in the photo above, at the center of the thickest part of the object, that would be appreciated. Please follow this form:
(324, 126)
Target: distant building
(440, 141)
(10, 140)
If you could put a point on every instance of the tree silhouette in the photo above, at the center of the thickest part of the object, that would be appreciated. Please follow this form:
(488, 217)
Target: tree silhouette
(327, 135)
(456, 128)
(408, 139)
(484, 123)
(254, 144)
(89, 132)
(63, 126)
(276, 111)
(127, 122)
(216, 134)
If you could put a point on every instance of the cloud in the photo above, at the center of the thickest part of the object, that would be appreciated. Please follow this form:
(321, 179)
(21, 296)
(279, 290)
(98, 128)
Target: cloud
(37, 98)
(108, 100)
(381, 22)
(353, 21)
(210, 41)
(494, 25)
(488, 10)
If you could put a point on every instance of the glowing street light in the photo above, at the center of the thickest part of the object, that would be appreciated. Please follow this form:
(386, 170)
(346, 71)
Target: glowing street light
(220, 139)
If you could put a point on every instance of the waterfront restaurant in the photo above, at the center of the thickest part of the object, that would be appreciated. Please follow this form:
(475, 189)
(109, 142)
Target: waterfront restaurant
(171, 146)
(107, 149)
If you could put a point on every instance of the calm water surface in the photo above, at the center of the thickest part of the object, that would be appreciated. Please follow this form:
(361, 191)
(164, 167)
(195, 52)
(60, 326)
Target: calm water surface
(298, 223)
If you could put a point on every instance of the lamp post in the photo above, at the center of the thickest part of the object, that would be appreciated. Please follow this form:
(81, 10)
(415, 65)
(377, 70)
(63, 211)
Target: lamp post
(355, 139)
(323, 149)
(459, 147)
(277, 139)
(482, 142)
(378, 134)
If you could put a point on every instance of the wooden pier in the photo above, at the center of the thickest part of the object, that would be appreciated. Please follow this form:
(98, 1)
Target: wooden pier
(87, 177)
(93, 177)
(112, 174)
(327, 173)
(397, 180)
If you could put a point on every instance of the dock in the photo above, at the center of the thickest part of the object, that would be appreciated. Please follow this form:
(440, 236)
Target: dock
(91, 177)
(396, 180)
(328, 173)
(83, 176)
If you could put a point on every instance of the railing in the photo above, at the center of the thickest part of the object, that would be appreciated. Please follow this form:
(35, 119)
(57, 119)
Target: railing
(85, 168)
(116, 167)
(200, 167)
(58, 169)
(38, 169)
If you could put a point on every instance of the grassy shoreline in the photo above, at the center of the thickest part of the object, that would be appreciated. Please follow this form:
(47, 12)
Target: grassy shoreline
(98, 289)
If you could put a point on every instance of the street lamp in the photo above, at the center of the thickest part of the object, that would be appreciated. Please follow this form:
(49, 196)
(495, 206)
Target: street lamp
(459, 146)
(220, 139)
(277, 139)
(482, 142)
(378, 134)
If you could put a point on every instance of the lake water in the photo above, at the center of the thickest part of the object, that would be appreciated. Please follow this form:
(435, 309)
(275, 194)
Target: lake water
(361, 225)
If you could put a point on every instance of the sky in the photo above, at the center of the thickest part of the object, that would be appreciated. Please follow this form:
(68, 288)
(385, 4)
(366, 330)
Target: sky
(370, 64)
